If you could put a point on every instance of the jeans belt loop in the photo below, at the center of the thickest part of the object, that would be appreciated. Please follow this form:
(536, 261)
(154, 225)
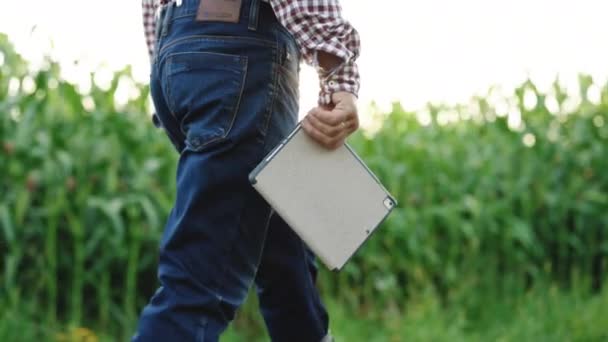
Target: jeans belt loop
(253, 14)
(167, 19)
(160, 14)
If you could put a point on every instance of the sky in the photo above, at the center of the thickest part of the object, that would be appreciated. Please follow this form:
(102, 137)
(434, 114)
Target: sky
(412, 51)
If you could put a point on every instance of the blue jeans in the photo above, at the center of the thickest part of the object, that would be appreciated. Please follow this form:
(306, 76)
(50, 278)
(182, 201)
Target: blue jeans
(226, 94)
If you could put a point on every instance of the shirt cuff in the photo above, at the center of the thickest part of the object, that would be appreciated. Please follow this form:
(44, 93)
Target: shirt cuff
(344, 78)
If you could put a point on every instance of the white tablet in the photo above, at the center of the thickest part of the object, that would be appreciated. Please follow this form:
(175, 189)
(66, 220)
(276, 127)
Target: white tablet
(329, 198)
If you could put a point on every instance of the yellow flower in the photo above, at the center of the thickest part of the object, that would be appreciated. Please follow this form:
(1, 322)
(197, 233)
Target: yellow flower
(77, 335)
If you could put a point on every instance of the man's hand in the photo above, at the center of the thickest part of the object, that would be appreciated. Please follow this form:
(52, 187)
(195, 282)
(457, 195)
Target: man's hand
(331, 126)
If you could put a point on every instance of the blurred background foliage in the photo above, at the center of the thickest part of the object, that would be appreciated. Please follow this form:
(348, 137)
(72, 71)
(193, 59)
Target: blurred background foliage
(501, 232)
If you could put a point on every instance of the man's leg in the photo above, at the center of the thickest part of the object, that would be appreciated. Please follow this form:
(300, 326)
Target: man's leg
(218, 113)
(209, 252)
(289, 300)
(286, 276)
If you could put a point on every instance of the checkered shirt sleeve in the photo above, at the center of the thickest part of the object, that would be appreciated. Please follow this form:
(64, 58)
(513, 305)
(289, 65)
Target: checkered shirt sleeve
(316, 25)
(149, 11)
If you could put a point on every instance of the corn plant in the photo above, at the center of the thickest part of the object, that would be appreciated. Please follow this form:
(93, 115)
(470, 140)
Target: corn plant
(490, 205)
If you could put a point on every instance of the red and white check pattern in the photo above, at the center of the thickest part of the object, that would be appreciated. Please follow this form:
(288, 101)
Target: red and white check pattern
(316, 25)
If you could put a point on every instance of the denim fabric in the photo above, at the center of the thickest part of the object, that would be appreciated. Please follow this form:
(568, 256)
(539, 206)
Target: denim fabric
(226, 94)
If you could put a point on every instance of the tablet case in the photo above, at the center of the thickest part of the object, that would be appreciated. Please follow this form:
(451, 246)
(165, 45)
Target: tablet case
(329, 198)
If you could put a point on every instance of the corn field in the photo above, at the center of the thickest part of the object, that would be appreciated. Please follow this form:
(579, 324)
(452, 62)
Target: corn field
(496, 195)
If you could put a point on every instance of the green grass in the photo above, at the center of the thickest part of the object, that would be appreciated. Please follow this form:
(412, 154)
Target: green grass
(541, 315)
(545, 314)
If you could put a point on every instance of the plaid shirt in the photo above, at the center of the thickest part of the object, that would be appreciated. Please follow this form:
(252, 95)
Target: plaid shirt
(316, 25)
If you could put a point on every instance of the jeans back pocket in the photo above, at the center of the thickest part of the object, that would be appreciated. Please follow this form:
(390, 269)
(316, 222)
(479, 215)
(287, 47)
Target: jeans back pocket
(204, 91)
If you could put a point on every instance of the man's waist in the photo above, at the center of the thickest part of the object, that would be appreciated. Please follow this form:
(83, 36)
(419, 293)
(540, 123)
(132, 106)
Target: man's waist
(263, 20)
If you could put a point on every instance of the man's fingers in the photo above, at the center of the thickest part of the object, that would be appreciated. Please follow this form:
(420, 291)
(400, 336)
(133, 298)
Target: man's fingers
(353, 124)
(326, 141)
(314, 133)
(330, 117)
(325, 129)
(330, 127)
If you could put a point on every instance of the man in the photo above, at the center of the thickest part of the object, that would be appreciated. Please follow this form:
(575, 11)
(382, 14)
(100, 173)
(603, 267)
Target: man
(224, 82)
